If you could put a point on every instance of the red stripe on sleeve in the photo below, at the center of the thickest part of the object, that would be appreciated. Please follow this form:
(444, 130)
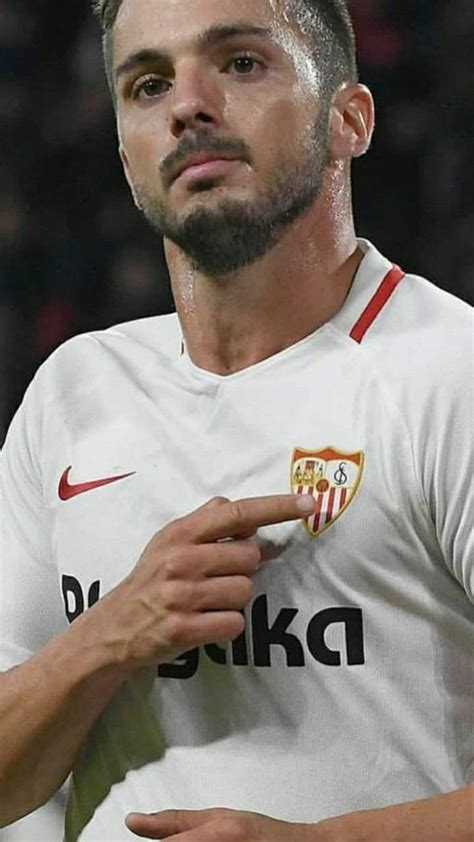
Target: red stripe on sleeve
(377, 302)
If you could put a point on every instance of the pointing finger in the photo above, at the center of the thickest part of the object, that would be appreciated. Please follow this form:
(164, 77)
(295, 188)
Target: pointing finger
(243, 517)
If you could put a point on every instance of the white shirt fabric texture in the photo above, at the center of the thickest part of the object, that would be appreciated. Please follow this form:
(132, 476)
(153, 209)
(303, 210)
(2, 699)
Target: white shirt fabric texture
(352, 686)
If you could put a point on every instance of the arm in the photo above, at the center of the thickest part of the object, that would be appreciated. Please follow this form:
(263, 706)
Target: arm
(445, 818)
(177, 597)
(47, 707)
(48, 704)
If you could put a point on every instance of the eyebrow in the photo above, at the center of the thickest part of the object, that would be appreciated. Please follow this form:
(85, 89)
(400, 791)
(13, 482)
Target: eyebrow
(209, 38)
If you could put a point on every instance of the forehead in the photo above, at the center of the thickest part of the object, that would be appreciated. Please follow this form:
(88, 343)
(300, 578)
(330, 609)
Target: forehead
(173, 24)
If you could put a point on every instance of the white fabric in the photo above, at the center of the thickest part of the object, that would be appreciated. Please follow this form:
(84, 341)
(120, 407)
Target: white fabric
(287, 734)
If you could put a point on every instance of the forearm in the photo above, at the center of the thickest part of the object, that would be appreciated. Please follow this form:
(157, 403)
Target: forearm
(47, 707)
(445, 818)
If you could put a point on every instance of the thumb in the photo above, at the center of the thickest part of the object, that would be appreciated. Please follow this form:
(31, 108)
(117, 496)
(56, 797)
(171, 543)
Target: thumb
(164, 824)
(144, 825)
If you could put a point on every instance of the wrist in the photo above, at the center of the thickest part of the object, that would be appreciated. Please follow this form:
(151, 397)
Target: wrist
(442, 818)
(81, 660)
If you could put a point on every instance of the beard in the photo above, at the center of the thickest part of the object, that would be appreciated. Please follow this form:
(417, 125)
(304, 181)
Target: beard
(235, 233)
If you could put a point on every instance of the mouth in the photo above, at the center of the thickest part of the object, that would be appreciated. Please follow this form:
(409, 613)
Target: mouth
(206, 169)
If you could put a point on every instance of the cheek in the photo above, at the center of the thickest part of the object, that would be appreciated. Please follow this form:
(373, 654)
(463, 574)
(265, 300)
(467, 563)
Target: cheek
(140, 140)
(277, 130)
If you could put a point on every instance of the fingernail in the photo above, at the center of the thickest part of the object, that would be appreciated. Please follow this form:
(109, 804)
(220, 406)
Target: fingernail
(306, 503)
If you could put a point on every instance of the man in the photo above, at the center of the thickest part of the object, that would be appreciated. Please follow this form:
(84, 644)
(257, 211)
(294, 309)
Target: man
(291, 660)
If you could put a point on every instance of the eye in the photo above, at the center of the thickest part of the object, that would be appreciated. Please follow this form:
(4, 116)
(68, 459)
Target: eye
(244, 64)
(149, 88)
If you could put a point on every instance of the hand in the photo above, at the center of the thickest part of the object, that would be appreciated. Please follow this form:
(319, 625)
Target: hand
(216, 826)
(190, 585)
(444, 818)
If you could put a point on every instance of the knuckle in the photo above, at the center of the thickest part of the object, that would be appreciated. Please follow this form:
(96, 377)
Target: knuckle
(239, 623)
(248, 588)
(254, 553)
(237, 512)
(175, 630)
(172, 596)
(214, 502)
(179, 529)
(170, 565)
(194, 597)
(167, 535)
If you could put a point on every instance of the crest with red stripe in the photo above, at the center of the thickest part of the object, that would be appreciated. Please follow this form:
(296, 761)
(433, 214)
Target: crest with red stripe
(332, 477)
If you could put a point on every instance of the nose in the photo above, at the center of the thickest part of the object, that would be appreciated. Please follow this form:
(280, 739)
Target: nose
(195, 100)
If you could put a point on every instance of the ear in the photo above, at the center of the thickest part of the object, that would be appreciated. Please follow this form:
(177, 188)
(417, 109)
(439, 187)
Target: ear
(128, 174)
(352, 122)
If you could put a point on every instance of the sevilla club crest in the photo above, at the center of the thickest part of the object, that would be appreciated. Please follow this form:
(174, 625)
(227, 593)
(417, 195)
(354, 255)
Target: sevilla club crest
(332, 477)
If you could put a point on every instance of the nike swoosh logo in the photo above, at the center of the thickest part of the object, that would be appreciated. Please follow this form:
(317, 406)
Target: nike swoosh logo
(67, 491)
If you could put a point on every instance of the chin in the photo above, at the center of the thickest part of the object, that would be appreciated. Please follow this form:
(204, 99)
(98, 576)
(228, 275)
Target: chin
(211, 199)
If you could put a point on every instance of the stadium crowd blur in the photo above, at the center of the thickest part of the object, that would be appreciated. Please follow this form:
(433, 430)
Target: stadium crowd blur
(77, 256)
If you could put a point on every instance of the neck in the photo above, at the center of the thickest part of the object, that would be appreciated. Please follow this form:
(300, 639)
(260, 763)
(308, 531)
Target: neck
(235, 322)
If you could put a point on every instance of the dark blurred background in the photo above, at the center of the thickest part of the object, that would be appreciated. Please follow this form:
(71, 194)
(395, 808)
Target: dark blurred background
(75, 255)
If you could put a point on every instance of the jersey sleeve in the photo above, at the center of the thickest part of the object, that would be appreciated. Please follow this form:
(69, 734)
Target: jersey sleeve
(446, 447)
(30, 600)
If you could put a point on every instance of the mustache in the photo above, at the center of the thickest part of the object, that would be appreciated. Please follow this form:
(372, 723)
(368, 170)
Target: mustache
(202, 142)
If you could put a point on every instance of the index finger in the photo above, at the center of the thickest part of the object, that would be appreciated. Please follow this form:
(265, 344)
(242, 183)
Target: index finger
(240, 517)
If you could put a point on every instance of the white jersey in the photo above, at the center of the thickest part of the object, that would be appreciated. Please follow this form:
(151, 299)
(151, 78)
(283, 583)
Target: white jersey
(352, 686)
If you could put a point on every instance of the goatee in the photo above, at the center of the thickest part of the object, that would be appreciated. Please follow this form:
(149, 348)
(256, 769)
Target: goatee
(220, 240)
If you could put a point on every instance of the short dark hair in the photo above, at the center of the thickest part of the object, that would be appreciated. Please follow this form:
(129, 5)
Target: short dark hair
(329, 22)
(341, 57)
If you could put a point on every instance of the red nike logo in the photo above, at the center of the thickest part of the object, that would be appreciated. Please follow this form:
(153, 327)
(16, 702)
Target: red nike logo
(66, 491)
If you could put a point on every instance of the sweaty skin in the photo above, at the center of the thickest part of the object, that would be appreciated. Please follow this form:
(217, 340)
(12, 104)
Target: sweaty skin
(274, 114)
(271, 112)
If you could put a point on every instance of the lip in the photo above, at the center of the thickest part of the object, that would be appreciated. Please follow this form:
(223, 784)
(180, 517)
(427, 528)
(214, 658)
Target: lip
(206, 167)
